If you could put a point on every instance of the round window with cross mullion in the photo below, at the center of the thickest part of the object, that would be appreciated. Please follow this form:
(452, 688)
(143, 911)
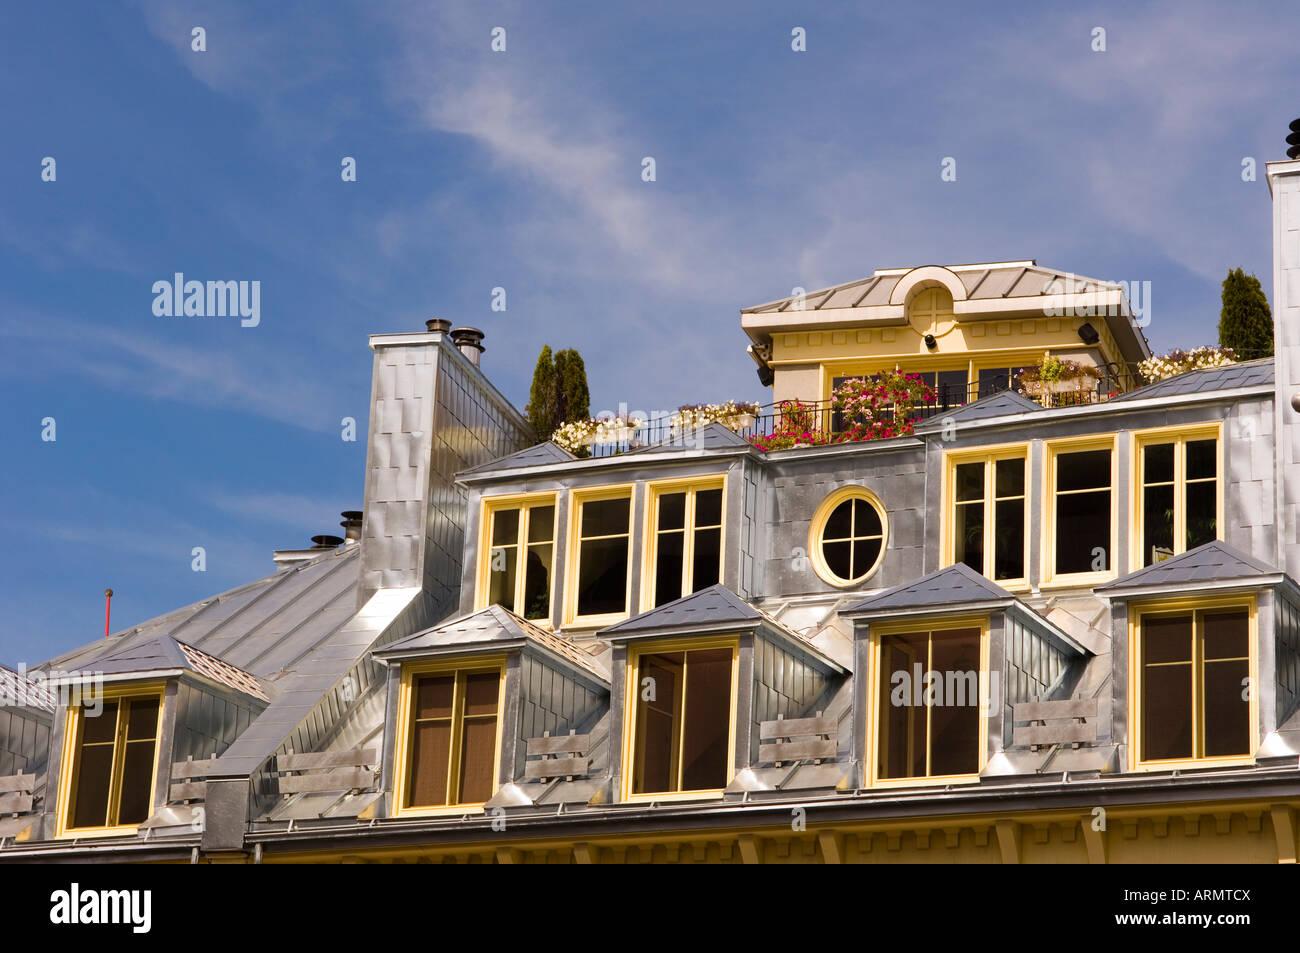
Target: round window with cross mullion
(849, 532)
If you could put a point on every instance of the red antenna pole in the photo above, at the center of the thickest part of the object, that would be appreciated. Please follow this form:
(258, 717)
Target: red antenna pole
(108, 605)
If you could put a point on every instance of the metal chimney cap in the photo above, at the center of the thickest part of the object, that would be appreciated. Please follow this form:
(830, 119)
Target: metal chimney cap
(468, 337)
(1293, 140)
(351, 514)
(327, 542)
(438, 324)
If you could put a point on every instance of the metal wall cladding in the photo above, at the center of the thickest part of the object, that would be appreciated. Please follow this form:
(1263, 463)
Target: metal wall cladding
(1286, 641)
(207, 723)
(1033, 663)
(796, 487)
(550, 700)
(785, 684)
(24, 742)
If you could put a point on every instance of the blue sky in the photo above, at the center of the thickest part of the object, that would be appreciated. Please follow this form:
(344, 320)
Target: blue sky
(522, 170)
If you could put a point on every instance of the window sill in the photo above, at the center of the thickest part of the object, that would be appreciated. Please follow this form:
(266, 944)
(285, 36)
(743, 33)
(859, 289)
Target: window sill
(925, 782)
(711, 795)
(1078, 580)
(80, 833)
(452, 810)
(1195, 764)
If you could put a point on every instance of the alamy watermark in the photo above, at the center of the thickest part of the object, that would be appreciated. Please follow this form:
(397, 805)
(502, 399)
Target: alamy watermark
(210, 299)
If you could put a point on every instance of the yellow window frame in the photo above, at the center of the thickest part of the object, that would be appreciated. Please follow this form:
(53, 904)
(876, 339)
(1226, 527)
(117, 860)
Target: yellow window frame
(650, 546)
(817, 529)
(460, 667)
(631, 708)
(70, 763)
(1052, 449)
(525, 503)
(1194, 606)
(573, 556)
(989, 456)
(1180, 436)
(930, 624)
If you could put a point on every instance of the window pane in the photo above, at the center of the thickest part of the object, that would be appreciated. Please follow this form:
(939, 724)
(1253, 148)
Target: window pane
(708, 554)
(1157, 523)
(537, 581)
(1227, 712)
(477, 757)
(970, 481)
(505, 527)
(1158, 463)
(602, 576)
(669, 555)
(481, 692)
(90, 801)
(1166, 639)
(840, 524)
(952, 387)
(708, 508)
(430, 756)
(993, 379)
(1226, 634)
(1202, 459)
(708, 719)
(1009, 479)
(1009, 541)
(1083, 471)
(902, 740)
(672, 511)
(1202, 504)
(657, 711)
(541, 524)
(866, 521)
(142, 719)
(865, 553)
(968, 535)
(954, 720)
(1082, 529)
(605, 517)
(137, 780)
(433, 696)
(1167, 712)
(101, 727)
(502, 564)
(839, 558)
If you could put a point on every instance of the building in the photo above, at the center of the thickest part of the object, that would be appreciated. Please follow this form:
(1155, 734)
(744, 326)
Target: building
(1053, 631)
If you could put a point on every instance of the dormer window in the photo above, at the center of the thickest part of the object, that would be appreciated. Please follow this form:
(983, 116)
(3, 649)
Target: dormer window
(112, 763)
(683, 718)
(516, 568)
(1179, 501)
(599, 580)
(686, 543)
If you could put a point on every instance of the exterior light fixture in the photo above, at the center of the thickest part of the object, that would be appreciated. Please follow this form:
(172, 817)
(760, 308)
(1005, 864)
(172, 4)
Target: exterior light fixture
(1088, 334)
(930, 342)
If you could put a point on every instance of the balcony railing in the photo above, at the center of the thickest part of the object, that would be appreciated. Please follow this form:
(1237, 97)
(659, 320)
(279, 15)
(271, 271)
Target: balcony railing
(827, 420)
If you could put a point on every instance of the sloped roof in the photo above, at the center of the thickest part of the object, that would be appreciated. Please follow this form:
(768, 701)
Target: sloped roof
(494, 625)
(20, 691)
(163, 653)
(711, 436)
(536, 455)
(994, 280)
(954, 585)
(710, 608)
(1213, 562)
(1228, 377)
(995, 405)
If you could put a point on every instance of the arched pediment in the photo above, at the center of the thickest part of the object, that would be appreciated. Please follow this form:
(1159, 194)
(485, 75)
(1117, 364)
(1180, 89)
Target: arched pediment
(927, 276)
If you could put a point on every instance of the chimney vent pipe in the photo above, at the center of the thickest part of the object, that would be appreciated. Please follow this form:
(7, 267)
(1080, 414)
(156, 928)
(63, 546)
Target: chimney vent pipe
(469, 341)
(351, 524)
(326, 542)
(438, 324)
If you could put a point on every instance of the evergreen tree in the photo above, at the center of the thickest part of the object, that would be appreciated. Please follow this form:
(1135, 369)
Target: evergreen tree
(573, 397)
(542, 397)
(1245, 323)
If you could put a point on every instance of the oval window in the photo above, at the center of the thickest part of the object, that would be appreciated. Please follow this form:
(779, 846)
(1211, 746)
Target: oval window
(849, 533)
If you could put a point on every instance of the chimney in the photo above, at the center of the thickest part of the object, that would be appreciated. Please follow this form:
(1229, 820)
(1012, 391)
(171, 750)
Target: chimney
(351, 525)
(469, 341)
(1284, 186)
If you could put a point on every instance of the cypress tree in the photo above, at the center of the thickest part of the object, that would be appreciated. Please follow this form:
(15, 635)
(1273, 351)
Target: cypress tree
(1245, 323)
(542, 396)
(573, 397)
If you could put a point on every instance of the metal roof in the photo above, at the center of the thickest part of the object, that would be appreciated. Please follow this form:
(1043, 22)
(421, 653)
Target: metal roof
(490, 627)
(711, 436)
(536, 455)
(1228, 377)
(1001, 404)
(991, 280)
(1213, 562)
(20, 691)
(957, 584)
(163, 653)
